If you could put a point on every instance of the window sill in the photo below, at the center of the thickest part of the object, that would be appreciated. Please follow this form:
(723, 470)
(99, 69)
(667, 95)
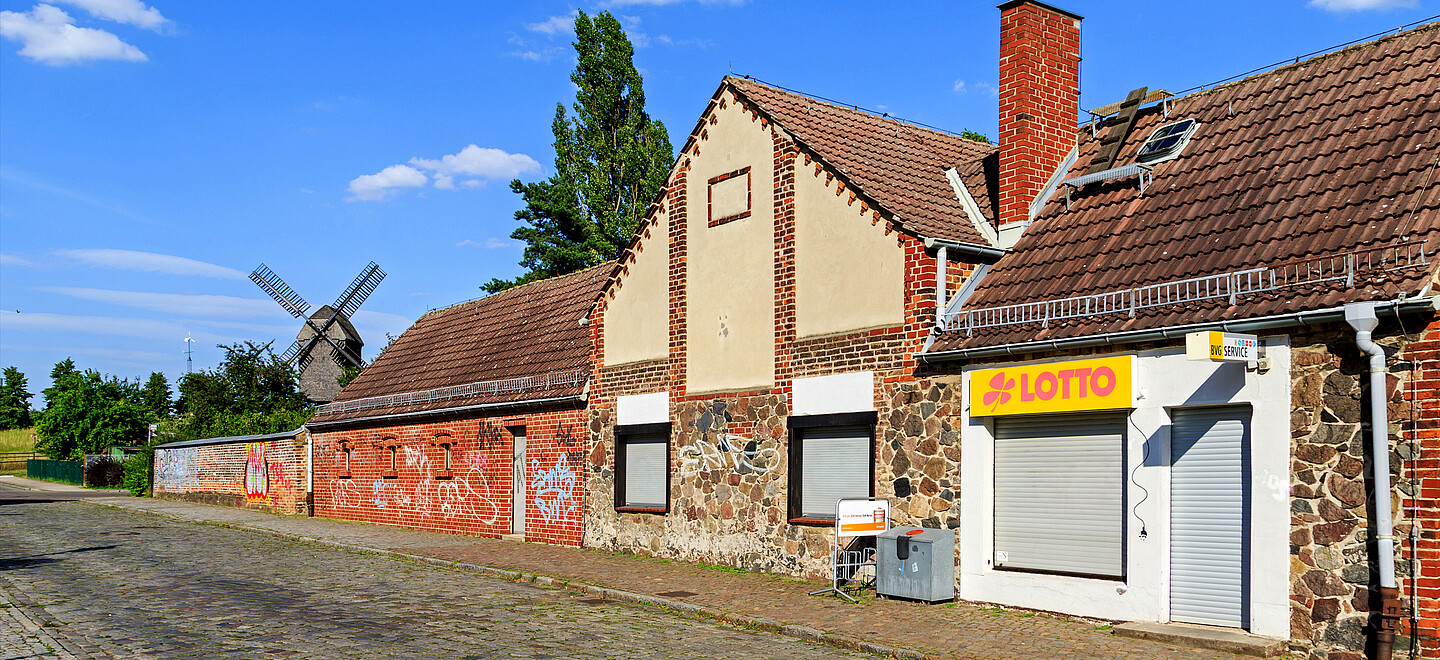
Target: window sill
(441, 476)
(830, 522)
(642, 509)
(342, 476)
(389, 475)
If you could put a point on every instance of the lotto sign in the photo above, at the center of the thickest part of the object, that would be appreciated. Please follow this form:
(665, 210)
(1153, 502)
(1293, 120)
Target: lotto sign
(863, 517)
(1222, 347)
(1100, 384)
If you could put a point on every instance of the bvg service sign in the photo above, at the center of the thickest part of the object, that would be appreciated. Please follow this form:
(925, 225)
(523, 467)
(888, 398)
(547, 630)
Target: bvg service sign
(1100, 384)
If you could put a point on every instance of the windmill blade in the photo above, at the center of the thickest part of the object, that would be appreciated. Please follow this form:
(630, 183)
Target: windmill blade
(280, 291)
(291, 353)
(306, 351)
(359, 290)
(338, 355)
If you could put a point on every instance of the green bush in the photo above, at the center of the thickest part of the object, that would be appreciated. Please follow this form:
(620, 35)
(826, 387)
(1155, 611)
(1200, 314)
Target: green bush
(137, 472)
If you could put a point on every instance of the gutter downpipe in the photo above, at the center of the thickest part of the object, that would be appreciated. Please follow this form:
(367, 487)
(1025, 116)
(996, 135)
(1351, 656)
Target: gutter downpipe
(941, 265)
(1362, 317)
(309, 472)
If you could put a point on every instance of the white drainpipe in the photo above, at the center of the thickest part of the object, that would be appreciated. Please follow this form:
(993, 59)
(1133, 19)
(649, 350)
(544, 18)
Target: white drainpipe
(1361, 316)
(940, 268)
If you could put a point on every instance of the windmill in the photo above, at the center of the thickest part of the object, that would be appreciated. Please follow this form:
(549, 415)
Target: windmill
(318, 378)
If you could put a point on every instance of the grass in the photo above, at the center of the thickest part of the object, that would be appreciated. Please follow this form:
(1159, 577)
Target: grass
(17, 440)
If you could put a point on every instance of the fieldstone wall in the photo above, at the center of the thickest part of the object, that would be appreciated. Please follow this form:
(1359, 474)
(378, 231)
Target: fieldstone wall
(729, 480)
(1332, 550)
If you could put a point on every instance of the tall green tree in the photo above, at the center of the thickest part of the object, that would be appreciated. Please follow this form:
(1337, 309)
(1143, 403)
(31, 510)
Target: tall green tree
(14, 400)
(87, 413)
(251, 391)
(611, 160)
(155, 395)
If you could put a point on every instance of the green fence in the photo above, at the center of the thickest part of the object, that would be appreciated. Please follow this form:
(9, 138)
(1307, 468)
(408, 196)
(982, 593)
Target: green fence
(70, 472)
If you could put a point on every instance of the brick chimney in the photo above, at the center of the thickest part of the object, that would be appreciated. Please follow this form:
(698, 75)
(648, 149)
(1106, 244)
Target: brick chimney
(1039, 102)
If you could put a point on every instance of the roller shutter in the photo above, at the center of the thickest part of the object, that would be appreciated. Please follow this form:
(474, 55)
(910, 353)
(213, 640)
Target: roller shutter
(834, 464)
(1210, 517)
(645, 478)
(1060, 493)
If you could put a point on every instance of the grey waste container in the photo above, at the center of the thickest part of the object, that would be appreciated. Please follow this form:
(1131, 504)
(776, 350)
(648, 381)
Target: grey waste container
(918, 563)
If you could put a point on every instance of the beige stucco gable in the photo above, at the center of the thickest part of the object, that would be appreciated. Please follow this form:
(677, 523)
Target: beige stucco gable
(730, 279)
(849, 275)
(637, 323)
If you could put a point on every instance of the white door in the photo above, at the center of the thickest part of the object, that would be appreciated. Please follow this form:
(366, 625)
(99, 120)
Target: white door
(1210, 517)
(517, 519)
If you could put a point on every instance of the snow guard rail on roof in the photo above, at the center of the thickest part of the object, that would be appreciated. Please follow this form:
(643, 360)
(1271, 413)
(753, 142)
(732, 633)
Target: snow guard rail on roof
(540, 382)
(1317, 270)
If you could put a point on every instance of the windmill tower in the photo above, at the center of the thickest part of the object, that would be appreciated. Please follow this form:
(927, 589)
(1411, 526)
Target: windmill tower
(329, 325)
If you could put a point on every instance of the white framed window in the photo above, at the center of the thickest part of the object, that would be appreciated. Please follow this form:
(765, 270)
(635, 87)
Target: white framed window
(831, 457)
(1060, 494)
(642, 468)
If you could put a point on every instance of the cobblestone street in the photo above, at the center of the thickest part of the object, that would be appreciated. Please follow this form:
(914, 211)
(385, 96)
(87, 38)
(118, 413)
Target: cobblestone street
(80, 581)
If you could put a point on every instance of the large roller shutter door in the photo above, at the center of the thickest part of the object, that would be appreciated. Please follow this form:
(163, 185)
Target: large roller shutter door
(1210, 517)
(1060, 493)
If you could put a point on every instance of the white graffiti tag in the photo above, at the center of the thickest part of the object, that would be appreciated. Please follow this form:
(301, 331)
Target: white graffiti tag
(457, 497)
(423, 496)
(726, 453)
(554, 490)
(343, 493)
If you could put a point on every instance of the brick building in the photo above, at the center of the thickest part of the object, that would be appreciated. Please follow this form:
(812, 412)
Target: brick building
(828, 303)
(472, 421)
(267, 471)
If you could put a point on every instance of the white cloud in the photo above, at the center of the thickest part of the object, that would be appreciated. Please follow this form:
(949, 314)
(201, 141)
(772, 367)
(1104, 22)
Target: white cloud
(130, 12)
(49, 36)
(982, 87)
(561, 25)
(385, 183)
(480, 162)
(1362, 5)
(476, 164)
(16, 261)
(104, 325)
(182, 304)
(150, 262)
(498, 243)
(467, 243)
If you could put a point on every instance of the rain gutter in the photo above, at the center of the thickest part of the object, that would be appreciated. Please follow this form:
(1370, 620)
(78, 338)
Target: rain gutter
(1311, 317)
(482, 407)
(966, 248)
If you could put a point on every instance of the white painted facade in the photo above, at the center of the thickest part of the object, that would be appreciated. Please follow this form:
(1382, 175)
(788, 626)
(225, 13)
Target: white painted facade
(840, 393)
(1165, 380)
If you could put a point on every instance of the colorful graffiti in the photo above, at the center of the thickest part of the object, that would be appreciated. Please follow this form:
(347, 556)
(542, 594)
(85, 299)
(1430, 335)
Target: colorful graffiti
(554, 490)
(728, 452)
(177, 470)
(256, 475)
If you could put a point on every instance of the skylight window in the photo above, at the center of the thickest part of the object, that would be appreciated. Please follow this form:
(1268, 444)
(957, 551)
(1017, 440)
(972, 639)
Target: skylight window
(1166, 142)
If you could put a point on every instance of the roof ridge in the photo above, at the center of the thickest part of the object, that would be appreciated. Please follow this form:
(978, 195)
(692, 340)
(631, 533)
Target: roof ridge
(608, 263)
(856, 109)
(1302, 60)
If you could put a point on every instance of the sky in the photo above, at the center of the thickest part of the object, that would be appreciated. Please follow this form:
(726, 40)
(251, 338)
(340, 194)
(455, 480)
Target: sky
(153, 154)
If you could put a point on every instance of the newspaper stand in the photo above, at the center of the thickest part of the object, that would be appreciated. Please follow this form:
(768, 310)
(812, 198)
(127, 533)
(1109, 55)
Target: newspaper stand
(855, 516)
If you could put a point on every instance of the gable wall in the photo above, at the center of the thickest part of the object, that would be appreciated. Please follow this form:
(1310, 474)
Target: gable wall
(637, 317)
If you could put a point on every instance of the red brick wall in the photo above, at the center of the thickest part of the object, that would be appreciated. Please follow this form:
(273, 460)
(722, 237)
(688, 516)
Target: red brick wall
(476, 496)
(1420, 451)
(218, 474)
(1039, 102)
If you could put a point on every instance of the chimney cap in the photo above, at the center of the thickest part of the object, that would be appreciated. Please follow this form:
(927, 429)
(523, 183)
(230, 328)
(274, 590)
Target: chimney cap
(1015, 3)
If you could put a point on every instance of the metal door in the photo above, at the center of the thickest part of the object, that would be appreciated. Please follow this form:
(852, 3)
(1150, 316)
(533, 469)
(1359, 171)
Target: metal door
(517, 470)
(1210, 516)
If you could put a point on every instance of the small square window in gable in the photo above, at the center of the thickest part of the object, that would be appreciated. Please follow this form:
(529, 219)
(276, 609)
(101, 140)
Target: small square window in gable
(729, 197)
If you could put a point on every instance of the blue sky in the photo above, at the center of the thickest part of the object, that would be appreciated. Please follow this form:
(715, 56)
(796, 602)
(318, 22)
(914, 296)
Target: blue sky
(152, 154)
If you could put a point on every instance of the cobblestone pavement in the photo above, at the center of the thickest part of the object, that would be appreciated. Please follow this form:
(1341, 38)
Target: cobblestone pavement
(81, 581)
(972, 631)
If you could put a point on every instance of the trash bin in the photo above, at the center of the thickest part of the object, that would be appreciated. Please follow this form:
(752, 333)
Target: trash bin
(918, 563)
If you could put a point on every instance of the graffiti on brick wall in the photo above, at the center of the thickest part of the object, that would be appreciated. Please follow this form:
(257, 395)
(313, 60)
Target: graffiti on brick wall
(422, 497)
(489, 436)
(256, 475)
(457, 497)
(554, 490)
(279, 480)
(177, 470)
(377, 489)
(343, 493)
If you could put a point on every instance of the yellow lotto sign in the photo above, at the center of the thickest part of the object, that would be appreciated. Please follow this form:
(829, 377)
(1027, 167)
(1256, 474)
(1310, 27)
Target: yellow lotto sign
(1101, 384)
